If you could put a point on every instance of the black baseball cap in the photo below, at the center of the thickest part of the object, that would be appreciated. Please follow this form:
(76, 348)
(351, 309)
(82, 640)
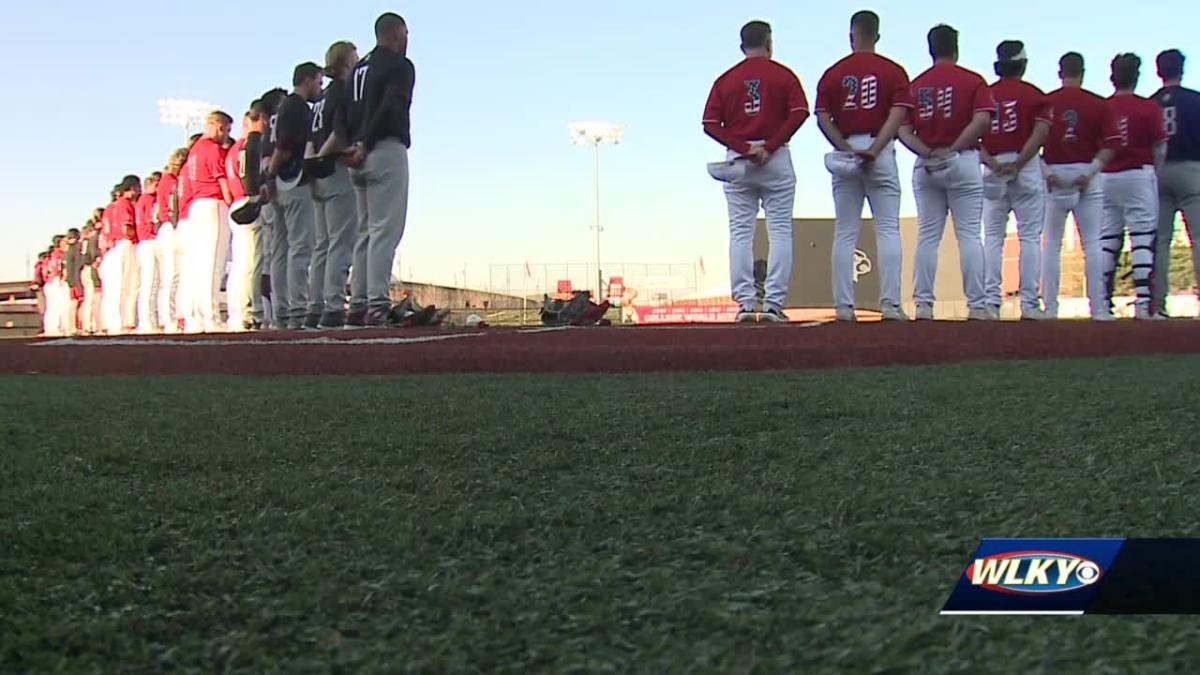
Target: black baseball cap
(1011, 50)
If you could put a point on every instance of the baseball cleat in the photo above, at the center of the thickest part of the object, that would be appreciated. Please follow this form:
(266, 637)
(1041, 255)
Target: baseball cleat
(1144, 314)
(980, 314)
(747, 316)
(1104, 318)
(893, 313)
(993, 312)
(924, 312)
(846, 315)
(1034, 314)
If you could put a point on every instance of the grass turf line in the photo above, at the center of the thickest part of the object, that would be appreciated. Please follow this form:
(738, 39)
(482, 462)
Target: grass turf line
(733, 522)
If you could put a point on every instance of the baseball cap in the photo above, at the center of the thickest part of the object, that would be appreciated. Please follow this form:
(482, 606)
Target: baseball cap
(245, 211)
(844, 164)
(1011, 50)
(729, 171)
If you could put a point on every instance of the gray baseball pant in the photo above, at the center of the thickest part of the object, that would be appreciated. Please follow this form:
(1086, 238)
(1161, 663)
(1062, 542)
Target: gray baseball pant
(337, 219)
(1178, 190)
(291, 254)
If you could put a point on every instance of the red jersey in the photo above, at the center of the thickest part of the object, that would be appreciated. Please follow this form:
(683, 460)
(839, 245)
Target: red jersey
(946, 98)
(860, 91)
(1083, 125)
(1139, 128)
(54, 266)
(185, 193)
(124, 213)
(205, 169)
(752, 102)
(145, 217)
(1020, 106)
(235, 162)
(162, 198)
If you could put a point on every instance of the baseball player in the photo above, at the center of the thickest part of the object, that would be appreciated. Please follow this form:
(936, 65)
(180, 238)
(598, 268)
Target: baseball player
(72, 278)
(55, 288)
(89, 258)
(333, 194)
(861, 102)
(753, 110)
(1130, 186)
(1013, 181)
(1179, 182)
(286, 184)
(1074, 155)
(381, 93)
(146, 254)
(208, 223)
(953, 110)
(167, 251)
(264, 248)
(241, 171)
(119, 256)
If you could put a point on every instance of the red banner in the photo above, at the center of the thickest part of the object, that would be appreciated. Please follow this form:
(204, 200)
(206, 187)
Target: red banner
(698, 314)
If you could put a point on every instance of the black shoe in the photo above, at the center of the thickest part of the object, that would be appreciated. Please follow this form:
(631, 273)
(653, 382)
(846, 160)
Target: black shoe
(332, 321)
(772, 315)
(312, 321)
(378, 318)
(356, 320)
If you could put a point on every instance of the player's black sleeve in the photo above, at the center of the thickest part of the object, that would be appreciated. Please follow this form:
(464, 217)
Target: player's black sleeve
(393, 103)
(341, 114)
(291, 127)
(251, 179)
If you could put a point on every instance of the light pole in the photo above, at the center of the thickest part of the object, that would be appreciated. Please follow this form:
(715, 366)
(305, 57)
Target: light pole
(593, 134)
(183, 112)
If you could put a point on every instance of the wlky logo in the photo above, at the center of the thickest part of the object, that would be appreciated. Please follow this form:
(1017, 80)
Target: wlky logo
(753, 104)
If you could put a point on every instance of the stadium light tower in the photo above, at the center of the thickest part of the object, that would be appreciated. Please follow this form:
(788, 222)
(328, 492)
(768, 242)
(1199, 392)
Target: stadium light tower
(183, 112)
(595, 134)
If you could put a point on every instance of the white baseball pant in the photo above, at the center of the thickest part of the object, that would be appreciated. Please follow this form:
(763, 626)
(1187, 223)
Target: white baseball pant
(53, 318)
(130, 289)
(1088, 212)
(1131, 201)
(112, 283)
(962, 198)
(773, 186)
(881, 187)
(166, 262)
(184, 262)
(147, 259)
(209, 223)
(1024, 196)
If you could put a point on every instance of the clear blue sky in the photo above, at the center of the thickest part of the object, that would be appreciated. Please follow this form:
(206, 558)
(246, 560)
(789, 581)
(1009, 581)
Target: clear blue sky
(494, 177)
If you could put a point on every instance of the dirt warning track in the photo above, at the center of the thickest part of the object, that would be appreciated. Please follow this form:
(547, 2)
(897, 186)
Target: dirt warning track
(595, 350)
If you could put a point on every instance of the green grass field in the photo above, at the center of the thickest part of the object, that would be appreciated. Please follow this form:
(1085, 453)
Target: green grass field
(790, 522)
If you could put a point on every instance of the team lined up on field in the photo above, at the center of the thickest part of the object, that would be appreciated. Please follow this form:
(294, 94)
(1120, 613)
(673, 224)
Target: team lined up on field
(311, 200)
(1121, 165)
